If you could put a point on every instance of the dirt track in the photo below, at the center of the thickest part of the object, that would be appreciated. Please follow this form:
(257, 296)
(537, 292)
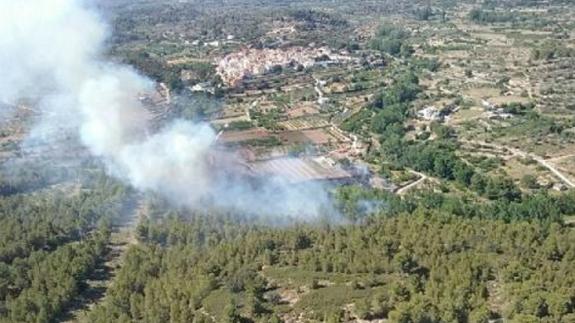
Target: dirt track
(520, 153)
(122, 237)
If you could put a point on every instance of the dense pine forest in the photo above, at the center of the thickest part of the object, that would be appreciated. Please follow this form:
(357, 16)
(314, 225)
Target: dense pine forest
(462, 109)
(418, 258)
(426, 266)
(51, 239)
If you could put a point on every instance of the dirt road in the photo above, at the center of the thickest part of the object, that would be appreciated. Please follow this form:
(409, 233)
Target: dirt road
(524, 154)
(122, 237)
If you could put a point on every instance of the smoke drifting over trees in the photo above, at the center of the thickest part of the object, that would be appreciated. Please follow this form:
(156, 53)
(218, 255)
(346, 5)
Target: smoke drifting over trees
(52, 56)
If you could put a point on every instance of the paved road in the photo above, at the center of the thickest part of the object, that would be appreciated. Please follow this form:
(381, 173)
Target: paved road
(406, 188)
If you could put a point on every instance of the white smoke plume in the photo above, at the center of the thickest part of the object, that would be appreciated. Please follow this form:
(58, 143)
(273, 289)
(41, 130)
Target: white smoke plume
(51, 53)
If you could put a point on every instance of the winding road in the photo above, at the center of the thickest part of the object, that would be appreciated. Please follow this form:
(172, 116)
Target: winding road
(406, 188)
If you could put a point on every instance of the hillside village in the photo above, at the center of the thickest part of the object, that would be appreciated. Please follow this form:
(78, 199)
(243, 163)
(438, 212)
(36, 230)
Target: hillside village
(295, 161)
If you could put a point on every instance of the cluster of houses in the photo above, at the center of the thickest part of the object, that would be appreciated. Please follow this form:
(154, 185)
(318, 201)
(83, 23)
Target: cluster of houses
(236, 66)
(431, 113)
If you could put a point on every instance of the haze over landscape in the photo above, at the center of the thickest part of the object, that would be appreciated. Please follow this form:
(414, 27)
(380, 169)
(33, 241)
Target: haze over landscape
(287, 161)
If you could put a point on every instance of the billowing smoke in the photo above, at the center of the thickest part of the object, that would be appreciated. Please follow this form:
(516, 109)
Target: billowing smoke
(51, 54)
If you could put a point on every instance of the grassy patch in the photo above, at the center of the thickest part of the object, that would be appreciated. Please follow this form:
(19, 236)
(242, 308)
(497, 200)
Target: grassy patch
(328, 300)
(217, 301)
(291, 276)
